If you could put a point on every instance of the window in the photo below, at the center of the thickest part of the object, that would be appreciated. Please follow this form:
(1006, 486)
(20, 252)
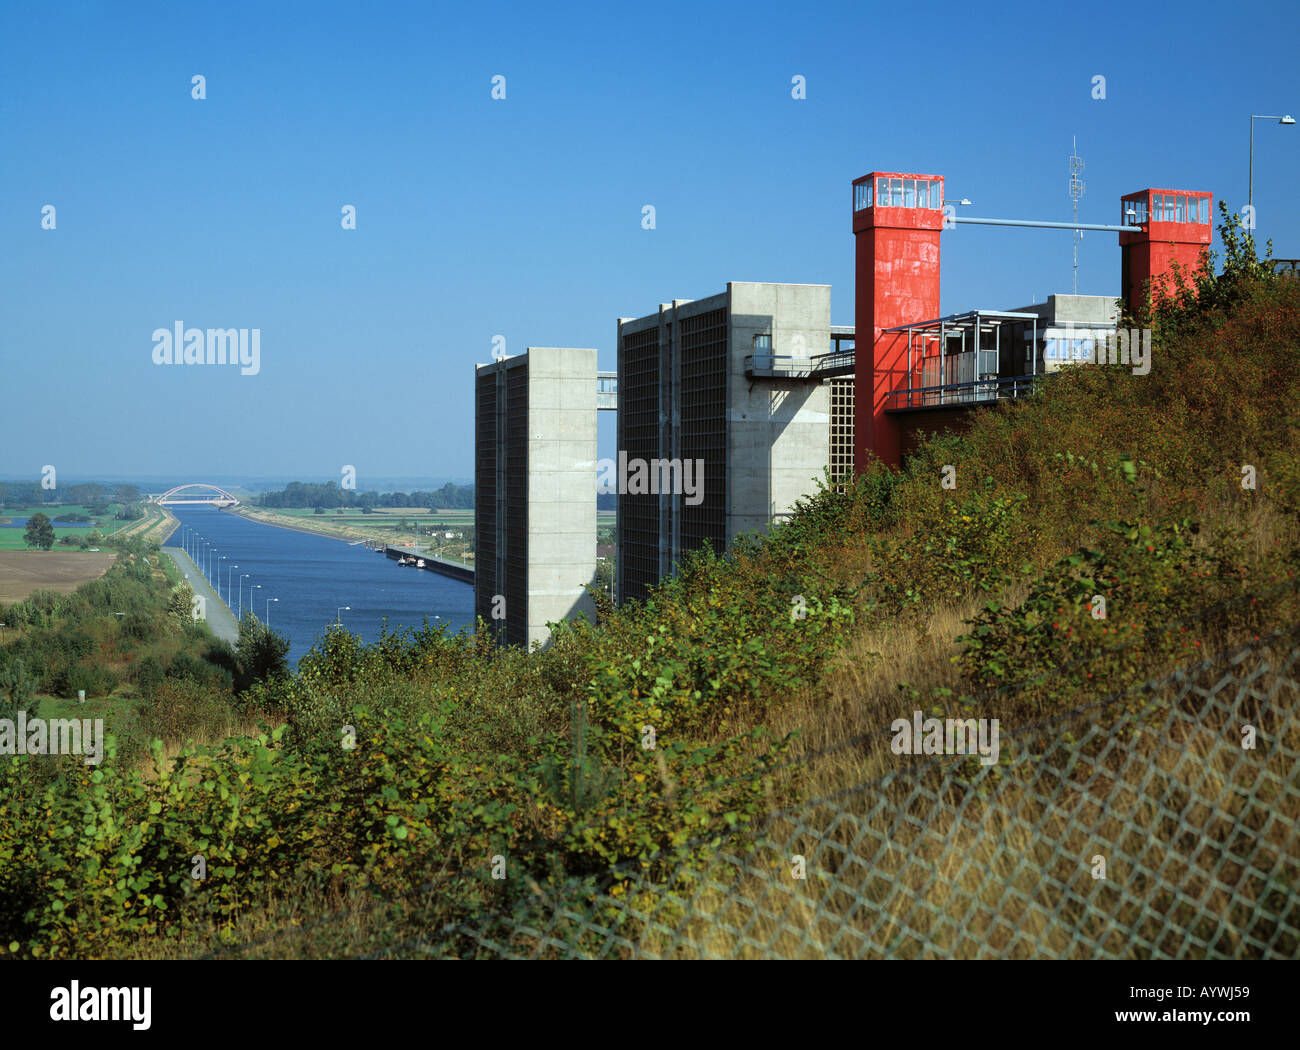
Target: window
(763, 344)
(899, 193)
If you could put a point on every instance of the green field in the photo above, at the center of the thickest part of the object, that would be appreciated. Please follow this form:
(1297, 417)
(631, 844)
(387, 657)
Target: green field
(12, 539)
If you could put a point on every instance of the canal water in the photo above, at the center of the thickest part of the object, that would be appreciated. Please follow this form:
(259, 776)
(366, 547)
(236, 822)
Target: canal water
(312, 576)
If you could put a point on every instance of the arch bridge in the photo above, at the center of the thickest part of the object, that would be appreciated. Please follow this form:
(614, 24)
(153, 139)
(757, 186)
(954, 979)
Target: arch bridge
(218, 497)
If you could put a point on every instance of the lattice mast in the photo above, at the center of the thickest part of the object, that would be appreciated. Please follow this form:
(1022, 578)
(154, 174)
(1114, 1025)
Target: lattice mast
(1077, 188)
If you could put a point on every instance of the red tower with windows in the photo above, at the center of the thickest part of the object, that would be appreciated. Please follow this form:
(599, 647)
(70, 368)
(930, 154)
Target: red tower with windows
(1176, 228)
(897, 219)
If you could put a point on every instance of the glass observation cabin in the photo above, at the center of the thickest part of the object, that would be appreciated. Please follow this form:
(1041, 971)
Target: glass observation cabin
(889, 191)
(1137, 209)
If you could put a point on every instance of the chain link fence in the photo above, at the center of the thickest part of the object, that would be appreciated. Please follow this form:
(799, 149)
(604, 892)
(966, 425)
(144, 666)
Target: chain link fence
(1158, 824)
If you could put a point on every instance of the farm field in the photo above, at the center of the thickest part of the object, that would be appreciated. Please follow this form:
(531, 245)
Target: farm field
(22, 572)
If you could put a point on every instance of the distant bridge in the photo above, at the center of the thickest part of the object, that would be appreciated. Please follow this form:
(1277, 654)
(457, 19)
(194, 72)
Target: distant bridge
(219, 498)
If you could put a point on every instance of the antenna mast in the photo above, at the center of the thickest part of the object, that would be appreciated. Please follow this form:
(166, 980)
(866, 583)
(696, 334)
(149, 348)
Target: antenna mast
(1076, 191)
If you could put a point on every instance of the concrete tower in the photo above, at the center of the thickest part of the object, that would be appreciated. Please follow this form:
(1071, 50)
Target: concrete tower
(897, 219)
(1176, 229)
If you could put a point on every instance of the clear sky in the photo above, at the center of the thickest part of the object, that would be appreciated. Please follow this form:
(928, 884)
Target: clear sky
(522, 217)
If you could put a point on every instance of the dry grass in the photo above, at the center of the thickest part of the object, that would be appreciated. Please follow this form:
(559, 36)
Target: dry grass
(1199, 838)
(22, 572)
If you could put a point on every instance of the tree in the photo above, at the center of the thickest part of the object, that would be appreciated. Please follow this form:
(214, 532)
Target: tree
(40, 532)
(1193, 293)
(259, 653)
(17, 689)
(88, 493)
(180, 606)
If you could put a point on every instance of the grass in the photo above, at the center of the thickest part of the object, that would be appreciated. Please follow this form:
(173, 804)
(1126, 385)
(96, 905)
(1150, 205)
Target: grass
(12, 538)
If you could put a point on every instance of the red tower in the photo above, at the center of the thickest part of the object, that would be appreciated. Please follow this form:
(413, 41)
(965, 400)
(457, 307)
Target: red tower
(1176, 228)
(897, 219)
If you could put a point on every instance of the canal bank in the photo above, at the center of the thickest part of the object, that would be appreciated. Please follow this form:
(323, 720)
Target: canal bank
(397, 552)
(220, 619)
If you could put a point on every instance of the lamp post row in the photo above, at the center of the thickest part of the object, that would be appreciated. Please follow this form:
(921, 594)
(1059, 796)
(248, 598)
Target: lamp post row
(190, 541)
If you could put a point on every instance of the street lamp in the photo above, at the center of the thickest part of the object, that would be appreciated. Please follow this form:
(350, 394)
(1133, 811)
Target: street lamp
(267, 621)
(338, 615)
(242, 577)
(229, 568)
(1250, 189)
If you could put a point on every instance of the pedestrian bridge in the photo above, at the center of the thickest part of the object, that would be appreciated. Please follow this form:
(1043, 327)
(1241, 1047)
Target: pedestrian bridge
(216, 497)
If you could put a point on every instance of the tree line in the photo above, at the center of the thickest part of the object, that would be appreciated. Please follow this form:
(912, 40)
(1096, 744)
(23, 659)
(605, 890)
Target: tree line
(90, 494)
(328, 494)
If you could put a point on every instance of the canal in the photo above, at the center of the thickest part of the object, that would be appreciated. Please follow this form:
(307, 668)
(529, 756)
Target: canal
(313, 576)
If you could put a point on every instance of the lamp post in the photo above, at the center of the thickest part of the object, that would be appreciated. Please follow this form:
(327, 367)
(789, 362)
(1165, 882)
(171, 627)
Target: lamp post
(223, 558)
(229, 569)
(1250, 188)
(242, 577)
(338, 615)
(267, 621)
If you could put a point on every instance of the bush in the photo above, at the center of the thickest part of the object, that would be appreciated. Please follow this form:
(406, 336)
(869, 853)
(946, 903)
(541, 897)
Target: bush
(149, 675)
(67, 681)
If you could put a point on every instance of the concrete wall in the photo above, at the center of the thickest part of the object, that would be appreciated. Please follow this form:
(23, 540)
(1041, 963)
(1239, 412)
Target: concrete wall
(778, 431)
(561, 485)
(1075, 309)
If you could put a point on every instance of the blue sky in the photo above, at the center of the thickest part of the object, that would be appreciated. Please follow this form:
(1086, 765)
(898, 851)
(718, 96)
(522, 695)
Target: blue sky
(522, 217)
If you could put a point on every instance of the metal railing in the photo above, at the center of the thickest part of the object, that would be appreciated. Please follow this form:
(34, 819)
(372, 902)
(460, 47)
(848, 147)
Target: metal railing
(970, 393)
(786, 366)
